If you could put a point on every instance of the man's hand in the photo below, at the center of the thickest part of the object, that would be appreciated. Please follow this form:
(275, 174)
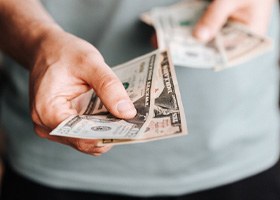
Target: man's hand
(62, 67)
(66, 67)
(253, 13)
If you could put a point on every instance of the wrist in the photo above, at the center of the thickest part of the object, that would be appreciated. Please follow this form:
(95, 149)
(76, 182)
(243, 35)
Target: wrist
(39, 37)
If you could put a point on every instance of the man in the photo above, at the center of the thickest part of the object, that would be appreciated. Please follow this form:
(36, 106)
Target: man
(232, 115)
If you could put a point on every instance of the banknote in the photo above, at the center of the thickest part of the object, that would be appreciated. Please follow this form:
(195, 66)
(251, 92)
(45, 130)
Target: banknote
(174, 26)
(232, 45)
(197, 7)
(144, 85)
(96, 122)
(168, 113)
(240, 44)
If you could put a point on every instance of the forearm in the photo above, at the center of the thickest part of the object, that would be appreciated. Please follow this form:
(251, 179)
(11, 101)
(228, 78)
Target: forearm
(23, 25)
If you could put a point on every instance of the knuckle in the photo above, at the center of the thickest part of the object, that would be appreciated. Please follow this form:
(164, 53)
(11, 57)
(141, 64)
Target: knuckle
(79, 145)
(106, 82)
(39, 132)
(35, 117)
(85, 60)
(207, 21)
(42, 135)
(99, 150)
(82, 146)
(86, 147)
(96, 154)
(90, 58)
(51, 113)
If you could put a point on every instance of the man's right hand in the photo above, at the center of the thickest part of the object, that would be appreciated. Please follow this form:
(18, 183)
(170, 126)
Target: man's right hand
(62, 67)
(65, 67)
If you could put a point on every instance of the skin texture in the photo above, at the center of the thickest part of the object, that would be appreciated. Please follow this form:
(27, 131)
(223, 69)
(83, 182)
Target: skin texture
(63, 66)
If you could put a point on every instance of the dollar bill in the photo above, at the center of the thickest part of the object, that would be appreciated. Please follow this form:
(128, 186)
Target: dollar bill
(174, 25)
(240, 44)
(95, 121)
(198, 6)
(143, 83)
(168, 118)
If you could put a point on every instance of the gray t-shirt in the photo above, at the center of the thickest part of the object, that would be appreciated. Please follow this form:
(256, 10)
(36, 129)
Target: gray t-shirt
(232, 116)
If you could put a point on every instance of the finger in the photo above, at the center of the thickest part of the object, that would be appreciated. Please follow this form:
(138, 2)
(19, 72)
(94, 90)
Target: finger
(37, 121)
(154, 41)
(258, 19)
(53, 112)
(44, 133)
(109, 89)
(88, 146)
(96, 154)
(83, 145)
(41, 131)
(102, 150)
(255, 24)
(213, 19)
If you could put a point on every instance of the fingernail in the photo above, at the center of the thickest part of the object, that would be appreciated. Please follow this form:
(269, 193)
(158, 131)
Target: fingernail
(203, 34)
(126, 108)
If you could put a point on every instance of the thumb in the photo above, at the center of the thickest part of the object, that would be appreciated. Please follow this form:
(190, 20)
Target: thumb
(213, 19)
(110, 90)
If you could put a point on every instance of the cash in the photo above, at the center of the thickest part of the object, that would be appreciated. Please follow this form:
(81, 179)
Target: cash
(174, 24)
(151, 84)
